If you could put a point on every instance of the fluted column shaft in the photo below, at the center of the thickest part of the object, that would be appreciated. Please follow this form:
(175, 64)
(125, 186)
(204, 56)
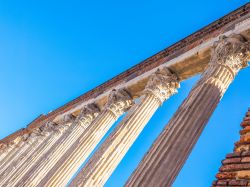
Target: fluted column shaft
(30, 158)
(105, 160)
(167, 155)
(21, 159)
(5, 150)
(53, 132)
(67, 165)
(46, 161)
(13, 154)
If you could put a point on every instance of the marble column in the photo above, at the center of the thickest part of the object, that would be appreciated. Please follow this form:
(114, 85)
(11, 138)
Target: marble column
(7, 148)
(167, 155)
(21, 145)
(24, 162)
(160, 87)
(4, 150)
(28, 144)
(46, 161)
(118, 102)
(52, 132)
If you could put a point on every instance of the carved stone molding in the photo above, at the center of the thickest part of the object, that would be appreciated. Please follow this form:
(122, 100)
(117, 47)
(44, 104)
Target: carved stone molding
(167, 155)
(50, 125)
(87, 114)
(119, 101)
(229, 55)
(34, 135)
(162, 84)
(48, 128)
(69, 118)
(3, 146)
(232, 52)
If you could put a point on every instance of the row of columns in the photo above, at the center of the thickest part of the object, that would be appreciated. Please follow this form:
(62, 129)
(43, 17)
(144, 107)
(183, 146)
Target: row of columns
(50, 156)
(101, 165)
(118, 103)
(170, 150)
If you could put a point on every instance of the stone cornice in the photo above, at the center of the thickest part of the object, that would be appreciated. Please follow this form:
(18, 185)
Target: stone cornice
(186, 58)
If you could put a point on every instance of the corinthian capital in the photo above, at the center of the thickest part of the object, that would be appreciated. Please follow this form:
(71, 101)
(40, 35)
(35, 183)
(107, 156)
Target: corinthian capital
(3, 146)
(119, 101)
(51, 125)
(88, 114)
(69, 118)
(34, 135)
(232, 52)
(48, 128)
(162, 84)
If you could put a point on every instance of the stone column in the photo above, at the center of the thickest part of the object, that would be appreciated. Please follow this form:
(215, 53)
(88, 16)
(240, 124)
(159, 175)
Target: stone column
(29, 144)
(29, 158)
(160, 87)
(167, 155)
(21, 145)
(52, 132)
(43, 163)
(118, 102)
(5, 149)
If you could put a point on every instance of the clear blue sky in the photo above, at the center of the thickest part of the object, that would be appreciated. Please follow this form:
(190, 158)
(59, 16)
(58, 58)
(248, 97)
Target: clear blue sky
(53, 51)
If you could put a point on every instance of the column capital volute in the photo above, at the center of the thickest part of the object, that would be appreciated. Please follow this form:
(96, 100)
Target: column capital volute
(3, 146)
(88, 114)
(7, 149)
(18, 140)
(60, 128)
(231, 51)
(68, 118)
(162, 84)
(51, 125)
(33, 136)
(119, 101)
(35, 132)
(10, 146)
(48, 128)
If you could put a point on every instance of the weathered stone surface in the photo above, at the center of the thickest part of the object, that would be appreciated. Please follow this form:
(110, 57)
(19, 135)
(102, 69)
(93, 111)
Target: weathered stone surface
(161, 85)
(47, 155)
(62, 171)
(157, 168)
(25, 163)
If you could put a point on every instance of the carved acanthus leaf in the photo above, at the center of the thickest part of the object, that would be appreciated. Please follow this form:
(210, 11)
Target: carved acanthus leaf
(3, 146)
(232, 51)
(162, 84)
(88, 114)
(68, 118)
(34, 135)
(119, 101)
(48, 128)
